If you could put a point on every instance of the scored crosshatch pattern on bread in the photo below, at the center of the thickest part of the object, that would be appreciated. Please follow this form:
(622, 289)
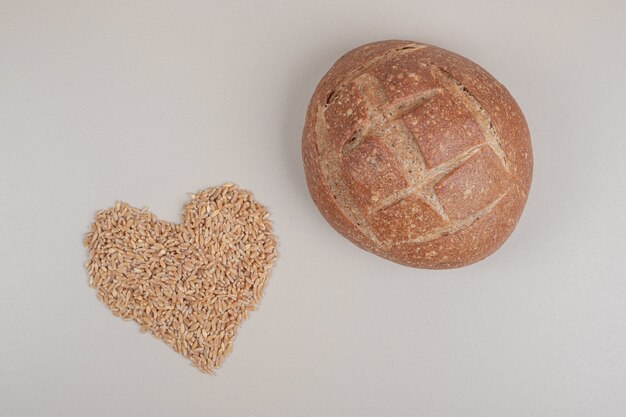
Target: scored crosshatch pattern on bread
(380, 150)
(386, 123)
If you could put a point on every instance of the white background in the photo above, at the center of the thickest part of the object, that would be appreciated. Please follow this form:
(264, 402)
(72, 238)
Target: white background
(145, 101)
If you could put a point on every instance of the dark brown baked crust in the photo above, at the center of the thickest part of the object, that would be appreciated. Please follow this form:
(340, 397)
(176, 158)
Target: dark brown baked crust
(417, 154)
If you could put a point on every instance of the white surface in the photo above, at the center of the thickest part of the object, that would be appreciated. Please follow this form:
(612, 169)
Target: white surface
(145, 101)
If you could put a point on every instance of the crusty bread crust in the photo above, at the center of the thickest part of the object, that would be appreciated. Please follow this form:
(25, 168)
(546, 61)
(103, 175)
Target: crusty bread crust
(417, 154)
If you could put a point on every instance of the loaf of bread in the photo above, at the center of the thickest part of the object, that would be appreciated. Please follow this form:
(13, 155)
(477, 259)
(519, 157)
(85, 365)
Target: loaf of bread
(417, 154)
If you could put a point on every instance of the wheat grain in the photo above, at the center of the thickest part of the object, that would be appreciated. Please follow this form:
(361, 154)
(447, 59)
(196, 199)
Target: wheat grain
(190, 284)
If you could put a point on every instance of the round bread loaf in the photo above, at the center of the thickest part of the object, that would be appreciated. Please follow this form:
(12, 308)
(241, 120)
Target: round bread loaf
(417, 154)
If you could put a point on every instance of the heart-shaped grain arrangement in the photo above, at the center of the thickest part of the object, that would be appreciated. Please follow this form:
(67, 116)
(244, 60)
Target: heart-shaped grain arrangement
(190, 284)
